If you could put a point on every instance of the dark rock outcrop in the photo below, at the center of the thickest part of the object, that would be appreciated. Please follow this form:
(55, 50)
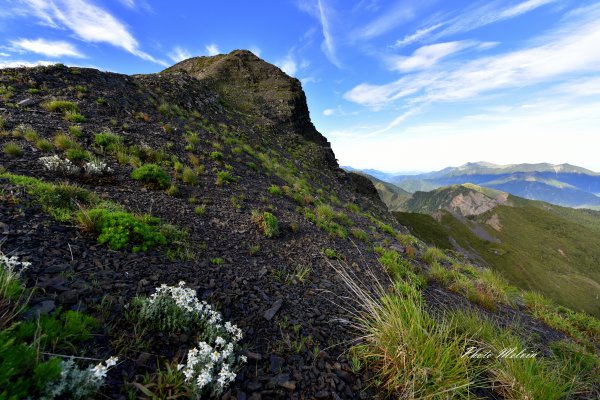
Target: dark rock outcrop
(258, 89)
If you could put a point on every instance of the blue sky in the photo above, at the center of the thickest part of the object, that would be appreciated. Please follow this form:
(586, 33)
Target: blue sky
(408, 85)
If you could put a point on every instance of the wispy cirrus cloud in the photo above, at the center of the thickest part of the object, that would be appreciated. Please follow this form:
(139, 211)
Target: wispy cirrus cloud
(427, 56)
(471, 19)
(58, 48)
(88, 22)
(324, 13)
(418, 35)
(179, 54)
(400, 13)
(128, 3)
(570, 49)
(328, 44)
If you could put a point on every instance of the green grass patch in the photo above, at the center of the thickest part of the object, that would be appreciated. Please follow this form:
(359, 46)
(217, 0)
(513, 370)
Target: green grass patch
(44, 145)
(413, 355)
(62, 106)
(266, 222)
(330, 253)
(12, 149)
(59, 200)
(360, 234)
(74, 116)
(78, 155)
(152, 175)
(275, 190)
(225, 177)
(107, 141)
(189, 176)
(64, 142)
(434, 255)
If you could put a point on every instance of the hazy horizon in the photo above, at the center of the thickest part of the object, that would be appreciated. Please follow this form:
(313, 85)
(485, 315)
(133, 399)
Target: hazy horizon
(417, 172)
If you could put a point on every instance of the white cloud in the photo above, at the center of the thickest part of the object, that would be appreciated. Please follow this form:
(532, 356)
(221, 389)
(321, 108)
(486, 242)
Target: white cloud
(320, 10)
(21, 63)
(580, 87)
(89, 23)
(328, 44)
(179, 54)
(523, 8)
(428, 56)
(212, 49)
(414, 37)
(489, 14)
(4, 54)
(568, 50)
(328, 112)
(400, 13)
(377, 96)
(472, 18)
(288, 65)
(48, 48)
(128, 3)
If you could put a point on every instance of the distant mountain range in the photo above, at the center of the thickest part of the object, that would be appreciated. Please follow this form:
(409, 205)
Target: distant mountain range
(537, 246)
(562, 184)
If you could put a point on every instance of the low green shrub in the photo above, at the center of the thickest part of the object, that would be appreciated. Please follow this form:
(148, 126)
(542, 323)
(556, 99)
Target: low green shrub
(60, 106)
(153, 175)
(107, 141)
(267, 223)
(173, 190)
(12, 149)
(74, 116)
(200, 210)
(189, 176)
(59, 333)
(121, 229)
(354, 208)
(216, 155)
(44, 145)
(65, 142)
(225, 177)
(75, 130)
(359, 234)
(331, 254)
(275, 190)
(78, 155)
(433, 255)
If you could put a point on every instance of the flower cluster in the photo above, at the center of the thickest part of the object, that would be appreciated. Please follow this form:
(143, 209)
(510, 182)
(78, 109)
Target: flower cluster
(12, 266)
(76, 383)
(208, 365)
(96, 167)
(100, 370)
(56, 164)
(211, 366)
(186, 300)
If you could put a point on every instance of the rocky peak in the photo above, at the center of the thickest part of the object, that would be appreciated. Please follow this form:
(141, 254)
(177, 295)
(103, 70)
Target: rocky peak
(257, 89)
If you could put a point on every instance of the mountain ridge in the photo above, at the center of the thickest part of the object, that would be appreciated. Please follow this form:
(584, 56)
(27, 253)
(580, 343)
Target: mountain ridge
(560, 184)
